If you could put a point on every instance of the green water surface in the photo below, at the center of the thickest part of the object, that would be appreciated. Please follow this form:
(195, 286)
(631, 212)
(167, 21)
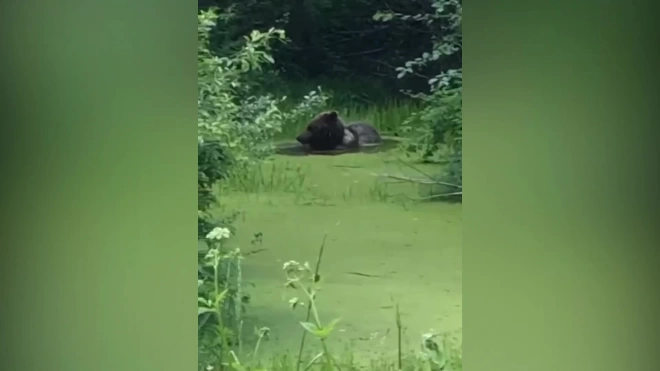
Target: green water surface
(378, 250)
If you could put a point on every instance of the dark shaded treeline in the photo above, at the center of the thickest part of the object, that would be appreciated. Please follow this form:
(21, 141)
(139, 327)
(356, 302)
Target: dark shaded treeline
(339, 39)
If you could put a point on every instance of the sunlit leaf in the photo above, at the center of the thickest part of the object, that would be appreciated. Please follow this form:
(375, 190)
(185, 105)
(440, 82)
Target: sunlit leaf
(310, 327)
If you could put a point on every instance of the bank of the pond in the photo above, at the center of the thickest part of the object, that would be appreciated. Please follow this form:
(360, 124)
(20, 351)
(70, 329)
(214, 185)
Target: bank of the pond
(377, 252)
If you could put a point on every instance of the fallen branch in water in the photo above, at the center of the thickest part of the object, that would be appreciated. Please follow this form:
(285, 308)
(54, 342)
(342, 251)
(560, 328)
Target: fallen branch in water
(427, 197)
(439, 195)
(418, 180)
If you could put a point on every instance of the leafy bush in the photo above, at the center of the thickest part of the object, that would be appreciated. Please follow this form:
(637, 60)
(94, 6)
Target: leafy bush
(233, 131)
(236, 126)
(230, 108)
(213, 163)
(241, 123)
(436, 130)
(435, 133)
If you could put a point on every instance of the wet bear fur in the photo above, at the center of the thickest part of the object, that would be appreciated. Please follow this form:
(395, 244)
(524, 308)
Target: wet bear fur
(327, 131)
(360, 134)
(324, 133)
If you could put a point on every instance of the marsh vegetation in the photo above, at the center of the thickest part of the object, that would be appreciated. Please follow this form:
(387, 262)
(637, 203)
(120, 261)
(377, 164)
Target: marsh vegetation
(345, 262)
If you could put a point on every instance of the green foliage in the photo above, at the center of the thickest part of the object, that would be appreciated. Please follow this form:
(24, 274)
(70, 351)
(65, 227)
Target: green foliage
(233, 131)
(230, 106)
(244, 58)
(235, 127)
(219, 299)
(435, 132)
(213, 163)
(301, 277)
(334, 40)
(226, 110)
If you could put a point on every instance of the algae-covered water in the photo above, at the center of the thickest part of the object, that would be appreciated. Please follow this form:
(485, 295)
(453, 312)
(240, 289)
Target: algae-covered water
(379, 251)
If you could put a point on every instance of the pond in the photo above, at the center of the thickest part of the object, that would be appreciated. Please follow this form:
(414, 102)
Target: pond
(296, 149)
(377, 253)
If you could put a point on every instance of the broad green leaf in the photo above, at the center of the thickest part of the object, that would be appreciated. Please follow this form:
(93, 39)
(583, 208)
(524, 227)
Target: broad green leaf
(324, 332)
(310, 327)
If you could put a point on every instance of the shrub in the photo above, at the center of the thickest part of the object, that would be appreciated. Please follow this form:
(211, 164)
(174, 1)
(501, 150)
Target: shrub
(226, 113)
(232, 131)
(435, 133)
(213, 163)
(230, 106)
(235, 127)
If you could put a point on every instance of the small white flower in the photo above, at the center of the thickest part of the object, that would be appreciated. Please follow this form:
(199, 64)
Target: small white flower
(218, 233)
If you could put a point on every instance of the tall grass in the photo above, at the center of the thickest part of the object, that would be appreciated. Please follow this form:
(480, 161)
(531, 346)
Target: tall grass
(286, 178)
(355, 102)
(342, 92)
(268, 177)
(387, 117)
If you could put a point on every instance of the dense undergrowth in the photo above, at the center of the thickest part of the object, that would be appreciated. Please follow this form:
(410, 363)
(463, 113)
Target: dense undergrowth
(241, 116)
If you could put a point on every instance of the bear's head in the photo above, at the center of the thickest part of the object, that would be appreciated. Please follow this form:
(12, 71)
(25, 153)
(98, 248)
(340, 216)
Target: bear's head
(325, 132)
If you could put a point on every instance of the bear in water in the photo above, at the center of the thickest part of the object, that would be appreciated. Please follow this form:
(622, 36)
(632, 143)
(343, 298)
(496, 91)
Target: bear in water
(360, 134)
(327, 132)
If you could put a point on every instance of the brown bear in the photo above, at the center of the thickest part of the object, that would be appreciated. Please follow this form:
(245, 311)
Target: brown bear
(327, 132)
(360, 134)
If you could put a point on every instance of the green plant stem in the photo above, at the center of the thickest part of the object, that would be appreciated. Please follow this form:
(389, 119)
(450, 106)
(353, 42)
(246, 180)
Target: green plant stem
(218, 310)
(310, 304)
(312, 307)
(317, 319)
(398, 329)
(256, 347)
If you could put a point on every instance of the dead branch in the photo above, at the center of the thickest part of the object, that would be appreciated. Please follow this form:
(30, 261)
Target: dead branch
(418, 180)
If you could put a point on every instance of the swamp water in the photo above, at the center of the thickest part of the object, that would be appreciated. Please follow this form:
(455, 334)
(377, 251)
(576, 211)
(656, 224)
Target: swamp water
(378, 252)
(295, 149)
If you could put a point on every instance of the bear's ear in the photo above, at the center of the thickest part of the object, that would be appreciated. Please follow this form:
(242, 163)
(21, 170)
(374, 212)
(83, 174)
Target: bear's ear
(332, 114)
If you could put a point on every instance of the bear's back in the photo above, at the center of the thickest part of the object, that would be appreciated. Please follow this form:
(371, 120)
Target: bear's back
(366, 133)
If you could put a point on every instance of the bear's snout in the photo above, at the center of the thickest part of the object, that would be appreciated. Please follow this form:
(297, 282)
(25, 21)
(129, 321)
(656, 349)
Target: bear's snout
(304, 137)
